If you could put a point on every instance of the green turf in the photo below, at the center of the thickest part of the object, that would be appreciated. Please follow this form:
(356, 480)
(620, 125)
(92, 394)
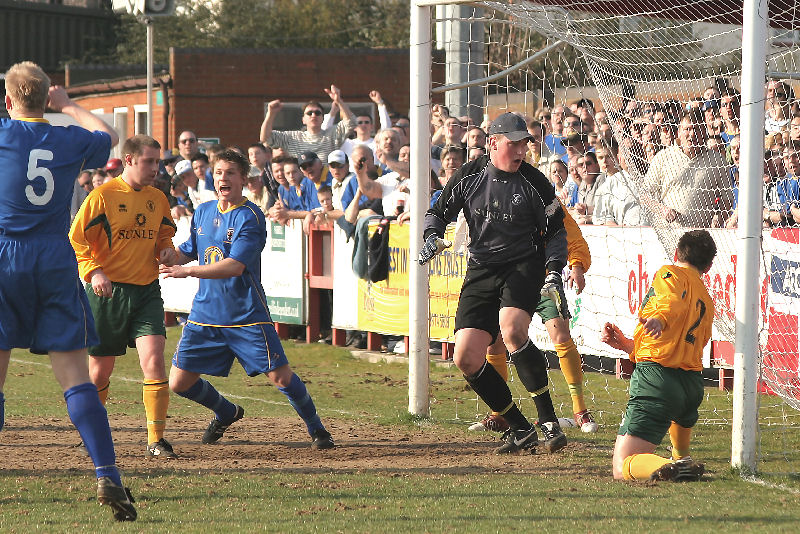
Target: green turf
(566, 499)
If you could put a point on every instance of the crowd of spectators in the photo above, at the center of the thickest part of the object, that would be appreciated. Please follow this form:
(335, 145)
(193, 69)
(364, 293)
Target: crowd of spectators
(646, 162)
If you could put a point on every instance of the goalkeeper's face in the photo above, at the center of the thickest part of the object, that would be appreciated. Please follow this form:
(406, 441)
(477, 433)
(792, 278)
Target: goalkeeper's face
(507, 155)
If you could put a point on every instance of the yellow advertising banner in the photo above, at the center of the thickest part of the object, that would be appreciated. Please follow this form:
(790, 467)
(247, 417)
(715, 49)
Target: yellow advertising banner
(384, 305)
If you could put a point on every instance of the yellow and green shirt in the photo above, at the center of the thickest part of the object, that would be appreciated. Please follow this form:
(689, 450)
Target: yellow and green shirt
(122, 230)
(680, 300)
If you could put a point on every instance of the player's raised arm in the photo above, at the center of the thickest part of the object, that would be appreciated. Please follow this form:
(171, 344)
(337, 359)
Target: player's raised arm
(59, 101)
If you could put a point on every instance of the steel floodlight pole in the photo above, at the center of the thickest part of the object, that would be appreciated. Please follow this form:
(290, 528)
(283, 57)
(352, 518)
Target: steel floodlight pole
(148, 21)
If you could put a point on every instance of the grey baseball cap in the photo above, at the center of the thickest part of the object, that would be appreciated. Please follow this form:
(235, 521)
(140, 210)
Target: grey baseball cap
(510, 125)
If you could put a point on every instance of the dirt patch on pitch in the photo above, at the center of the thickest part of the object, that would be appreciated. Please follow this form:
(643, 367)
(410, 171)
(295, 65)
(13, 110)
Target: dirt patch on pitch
(48, 444)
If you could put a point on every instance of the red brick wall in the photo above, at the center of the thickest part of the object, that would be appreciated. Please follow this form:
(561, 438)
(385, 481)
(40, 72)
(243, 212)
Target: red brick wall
(129, 99)
(221, 93)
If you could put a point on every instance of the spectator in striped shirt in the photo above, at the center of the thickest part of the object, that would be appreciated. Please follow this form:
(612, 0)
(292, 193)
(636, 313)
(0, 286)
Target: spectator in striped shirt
(313, 138)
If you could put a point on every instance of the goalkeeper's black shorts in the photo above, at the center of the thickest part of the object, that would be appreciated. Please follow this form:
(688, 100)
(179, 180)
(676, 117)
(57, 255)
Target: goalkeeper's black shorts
(487, 288)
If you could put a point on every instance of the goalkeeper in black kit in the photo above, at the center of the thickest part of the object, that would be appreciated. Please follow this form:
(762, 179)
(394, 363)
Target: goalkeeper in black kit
(518, 248)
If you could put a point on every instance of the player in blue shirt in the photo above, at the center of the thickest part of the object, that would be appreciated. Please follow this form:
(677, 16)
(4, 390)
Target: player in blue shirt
(43, 305)
(230, 318)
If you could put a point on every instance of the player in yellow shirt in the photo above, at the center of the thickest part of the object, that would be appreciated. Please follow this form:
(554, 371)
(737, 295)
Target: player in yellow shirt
(569, 359)
(667, 385)
(121, 233)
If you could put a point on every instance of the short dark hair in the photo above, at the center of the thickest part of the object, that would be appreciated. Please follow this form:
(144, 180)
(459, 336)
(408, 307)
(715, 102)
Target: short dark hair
(200, 156)
(589, 154)
(214, 150)
(315, 104)
(291, 159)
(135, 145)
(261, 146)
(454, 149)
(325, 189)
(280, 160)
(237, 158)
(697, 248)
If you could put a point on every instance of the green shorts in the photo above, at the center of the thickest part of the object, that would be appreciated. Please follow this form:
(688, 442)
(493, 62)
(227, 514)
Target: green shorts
(546, 309)
(658, 396)
(132, 311)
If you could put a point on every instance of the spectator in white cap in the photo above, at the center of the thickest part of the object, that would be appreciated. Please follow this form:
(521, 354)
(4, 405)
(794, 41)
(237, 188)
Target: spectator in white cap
(339, 166)
(255, 191)
(183, 169)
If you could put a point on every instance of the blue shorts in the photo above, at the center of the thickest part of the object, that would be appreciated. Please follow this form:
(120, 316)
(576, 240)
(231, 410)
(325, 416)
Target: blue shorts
(210, 350)
(43, 305)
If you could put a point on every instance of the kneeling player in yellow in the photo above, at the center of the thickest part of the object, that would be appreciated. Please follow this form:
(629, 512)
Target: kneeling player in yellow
(569, 359)
(121, 232)
(667, 385)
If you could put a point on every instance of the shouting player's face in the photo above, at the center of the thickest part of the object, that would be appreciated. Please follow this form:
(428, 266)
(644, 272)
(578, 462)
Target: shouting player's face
(141, 170)
(228, 181)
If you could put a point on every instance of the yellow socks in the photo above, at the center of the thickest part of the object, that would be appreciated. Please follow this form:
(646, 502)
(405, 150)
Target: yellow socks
(641, 466)
(680, 437)
(103, 393)
(155, 395)
(499, 362)
(570, 361)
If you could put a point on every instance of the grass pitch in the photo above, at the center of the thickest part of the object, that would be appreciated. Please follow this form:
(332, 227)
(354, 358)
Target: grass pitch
(389, 473)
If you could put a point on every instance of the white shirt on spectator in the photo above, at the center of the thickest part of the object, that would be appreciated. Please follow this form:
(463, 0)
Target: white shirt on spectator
(389, 182)
(695, 188)
(295, 142)
(615, 202)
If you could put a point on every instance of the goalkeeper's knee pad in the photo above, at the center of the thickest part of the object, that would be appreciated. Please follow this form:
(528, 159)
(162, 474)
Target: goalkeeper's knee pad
(531, 366)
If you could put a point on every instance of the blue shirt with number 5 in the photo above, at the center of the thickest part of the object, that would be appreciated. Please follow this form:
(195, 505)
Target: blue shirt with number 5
(39, 165)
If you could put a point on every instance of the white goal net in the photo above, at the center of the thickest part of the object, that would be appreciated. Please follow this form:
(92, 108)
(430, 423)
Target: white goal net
(653, 91)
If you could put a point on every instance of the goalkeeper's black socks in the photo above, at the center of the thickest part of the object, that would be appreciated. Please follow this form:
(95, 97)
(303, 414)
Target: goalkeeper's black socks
(531, 368)
(491, 387)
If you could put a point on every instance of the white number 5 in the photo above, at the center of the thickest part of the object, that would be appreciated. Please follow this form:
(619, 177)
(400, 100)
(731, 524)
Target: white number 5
(34, 171)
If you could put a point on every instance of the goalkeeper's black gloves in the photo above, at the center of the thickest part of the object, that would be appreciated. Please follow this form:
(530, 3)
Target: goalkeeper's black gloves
(433, 246)
(553, 288)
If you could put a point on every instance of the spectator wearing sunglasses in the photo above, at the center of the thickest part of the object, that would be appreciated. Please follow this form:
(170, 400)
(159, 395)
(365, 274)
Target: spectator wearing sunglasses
(313, 138)
(187, 144)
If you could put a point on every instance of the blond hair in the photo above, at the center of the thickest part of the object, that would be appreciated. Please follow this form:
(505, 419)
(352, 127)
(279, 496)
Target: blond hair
(27, 85)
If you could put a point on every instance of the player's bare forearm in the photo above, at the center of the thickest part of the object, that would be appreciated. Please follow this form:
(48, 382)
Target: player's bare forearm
(59, 101)
(227, 268)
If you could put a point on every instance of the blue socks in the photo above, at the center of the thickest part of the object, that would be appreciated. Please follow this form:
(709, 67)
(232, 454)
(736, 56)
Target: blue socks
(91, 419)
(301, 401)
(204, 393)
(2, 410)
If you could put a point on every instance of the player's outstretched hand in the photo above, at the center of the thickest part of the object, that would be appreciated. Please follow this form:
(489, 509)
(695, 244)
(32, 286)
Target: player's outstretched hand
(576, 280)
(612, 336)
(554, 289)
(173, 271)
(652, 326)
(433, 246)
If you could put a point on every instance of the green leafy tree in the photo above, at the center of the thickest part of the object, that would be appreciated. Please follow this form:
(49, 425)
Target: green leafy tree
(269, 24)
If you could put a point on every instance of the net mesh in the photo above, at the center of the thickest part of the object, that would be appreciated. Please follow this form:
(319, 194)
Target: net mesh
(654, 89)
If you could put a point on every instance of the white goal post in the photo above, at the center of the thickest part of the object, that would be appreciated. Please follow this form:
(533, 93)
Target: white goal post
(747, 321)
